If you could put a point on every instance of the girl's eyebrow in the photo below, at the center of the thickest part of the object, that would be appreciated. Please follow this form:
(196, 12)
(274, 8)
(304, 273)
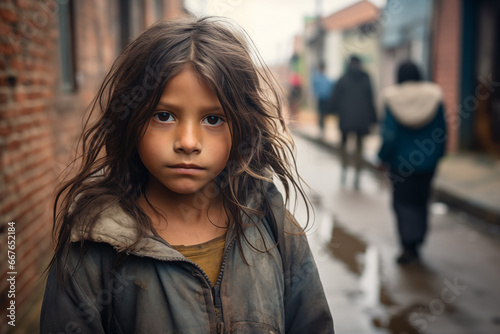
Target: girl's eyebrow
(215, 108)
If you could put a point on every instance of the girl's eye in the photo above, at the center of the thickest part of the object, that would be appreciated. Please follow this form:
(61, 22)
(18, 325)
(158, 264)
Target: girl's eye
(163, 117)
(213, 120)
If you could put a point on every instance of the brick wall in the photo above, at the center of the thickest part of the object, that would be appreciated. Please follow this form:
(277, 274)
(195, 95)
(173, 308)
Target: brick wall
(27, 50)
(39, 123)
(446, 62)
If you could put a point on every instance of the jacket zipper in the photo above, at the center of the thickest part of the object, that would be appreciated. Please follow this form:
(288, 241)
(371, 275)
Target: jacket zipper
(215, 290)
(218, 308)
(220, 324)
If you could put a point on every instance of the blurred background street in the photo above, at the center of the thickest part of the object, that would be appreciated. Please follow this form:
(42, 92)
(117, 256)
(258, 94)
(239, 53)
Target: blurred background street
(354, 240)
(54, 54)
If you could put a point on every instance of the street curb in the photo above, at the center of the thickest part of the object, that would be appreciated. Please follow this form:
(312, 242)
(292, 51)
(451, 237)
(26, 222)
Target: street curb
(441, 194)
(473, 208)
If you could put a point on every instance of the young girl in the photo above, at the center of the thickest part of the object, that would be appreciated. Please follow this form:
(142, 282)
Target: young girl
(172, 223)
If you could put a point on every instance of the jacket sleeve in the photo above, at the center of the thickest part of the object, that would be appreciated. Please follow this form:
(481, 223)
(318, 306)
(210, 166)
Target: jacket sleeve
(371, 101)
(307, 310)
(389, 135)
(74, 304)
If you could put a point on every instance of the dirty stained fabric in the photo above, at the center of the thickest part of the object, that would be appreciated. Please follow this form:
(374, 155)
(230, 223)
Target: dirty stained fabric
(157, 290)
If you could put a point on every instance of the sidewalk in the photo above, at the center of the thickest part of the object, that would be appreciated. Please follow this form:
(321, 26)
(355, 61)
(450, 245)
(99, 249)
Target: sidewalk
(466, 181)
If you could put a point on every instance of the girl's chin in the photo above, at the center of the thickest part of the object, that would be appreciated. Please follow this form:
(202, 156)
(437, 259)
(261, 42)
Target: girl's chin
(184, 189)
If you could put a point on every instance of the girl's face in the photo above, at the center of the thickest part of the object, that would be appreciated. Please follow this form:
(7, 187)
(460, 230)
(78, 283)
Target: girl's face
(187, 142)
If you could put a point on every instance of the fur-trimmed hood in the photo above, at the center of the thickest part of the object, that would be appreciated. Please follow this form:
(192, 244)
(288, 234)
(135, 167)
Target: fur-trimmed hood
(116, 228)
(413, 104)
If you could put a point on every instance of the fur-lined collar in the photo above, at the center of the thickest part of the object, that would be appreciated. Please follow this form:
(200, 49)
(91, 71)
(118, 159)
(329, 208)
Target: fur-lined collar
(117, 228)
(413, 104)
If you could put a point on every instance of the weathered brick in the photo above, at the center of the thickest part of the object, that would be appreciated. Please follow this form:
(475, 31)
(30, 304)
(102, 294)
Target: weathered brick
(13, 145)
(3, 98)
(27, 283)
(17, 64)
(24, 4)
(6, 113)
(45, 80)
(37, 53)
(39, 209)
(447, 58)
(34, 225)
(7, 48)
(7, 207)
(20, 96)
(25, 255)
(31, 110)
(37, 39)
(5, 28)
(8, 15)
(25, 80)
(5, 130)
(30, 66)
(34, 95)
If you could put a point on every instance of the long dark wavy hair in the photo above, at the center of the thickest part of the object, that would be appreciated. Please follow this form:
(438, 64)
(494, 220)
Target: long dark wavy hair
(109, 168)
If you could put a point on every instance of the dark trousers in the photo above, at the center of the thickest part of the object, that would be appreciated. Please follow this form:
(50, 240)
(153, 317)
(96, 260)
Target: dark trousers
(411, 202)
(322, 111)
(359, 150)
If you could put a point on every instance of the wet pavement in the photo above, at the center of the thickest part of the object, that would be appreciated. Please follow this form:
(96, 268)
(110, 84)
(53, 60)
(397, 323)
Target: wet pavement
(453, 290)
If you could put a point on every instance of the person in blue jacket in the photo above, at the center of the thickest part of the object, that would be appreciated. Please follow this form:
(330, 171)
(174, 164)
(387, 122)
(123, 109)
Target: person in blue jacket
(414, 138)
(322, 87)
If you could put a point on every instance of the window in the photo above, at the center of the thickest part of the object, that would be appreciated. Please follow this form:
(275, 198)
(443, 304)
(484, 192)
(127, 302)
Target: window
(66, 46)
(159, 9)
(124, 23)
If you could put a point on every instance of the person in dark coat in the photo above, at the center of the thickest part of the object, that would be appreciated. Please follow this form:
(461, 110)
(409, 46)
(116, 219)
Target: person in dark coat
(414, 139)
(352, 101)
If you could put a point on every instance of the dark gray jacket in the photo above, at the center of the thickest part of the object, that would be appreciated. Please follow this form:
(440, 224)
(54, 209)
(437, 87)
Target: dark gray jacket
(352, 100)
(157, 290)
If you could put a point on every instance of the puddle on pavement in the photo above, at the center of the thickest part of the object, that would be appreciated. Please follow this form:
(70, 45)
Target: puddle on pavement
(399, 322)
(347, 248)
(362, 260)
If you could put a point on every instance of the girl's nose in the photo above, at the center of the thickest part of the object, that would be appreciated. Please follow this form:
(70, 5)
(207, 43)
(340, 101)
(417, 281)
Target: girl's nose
(187, 139)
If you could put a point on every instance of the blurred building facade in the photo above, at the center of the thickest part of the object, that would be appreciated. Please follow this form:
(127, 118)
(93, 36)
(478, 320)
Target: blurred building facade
(351, 31)
(455, 42)
(480, 73)
(332, 39)
(53, 56)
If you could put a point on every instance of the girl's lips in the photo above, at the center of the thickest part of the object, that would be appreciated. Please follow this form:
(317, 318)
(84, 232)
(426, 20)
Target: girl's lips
(186, 169)
(186, 166)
